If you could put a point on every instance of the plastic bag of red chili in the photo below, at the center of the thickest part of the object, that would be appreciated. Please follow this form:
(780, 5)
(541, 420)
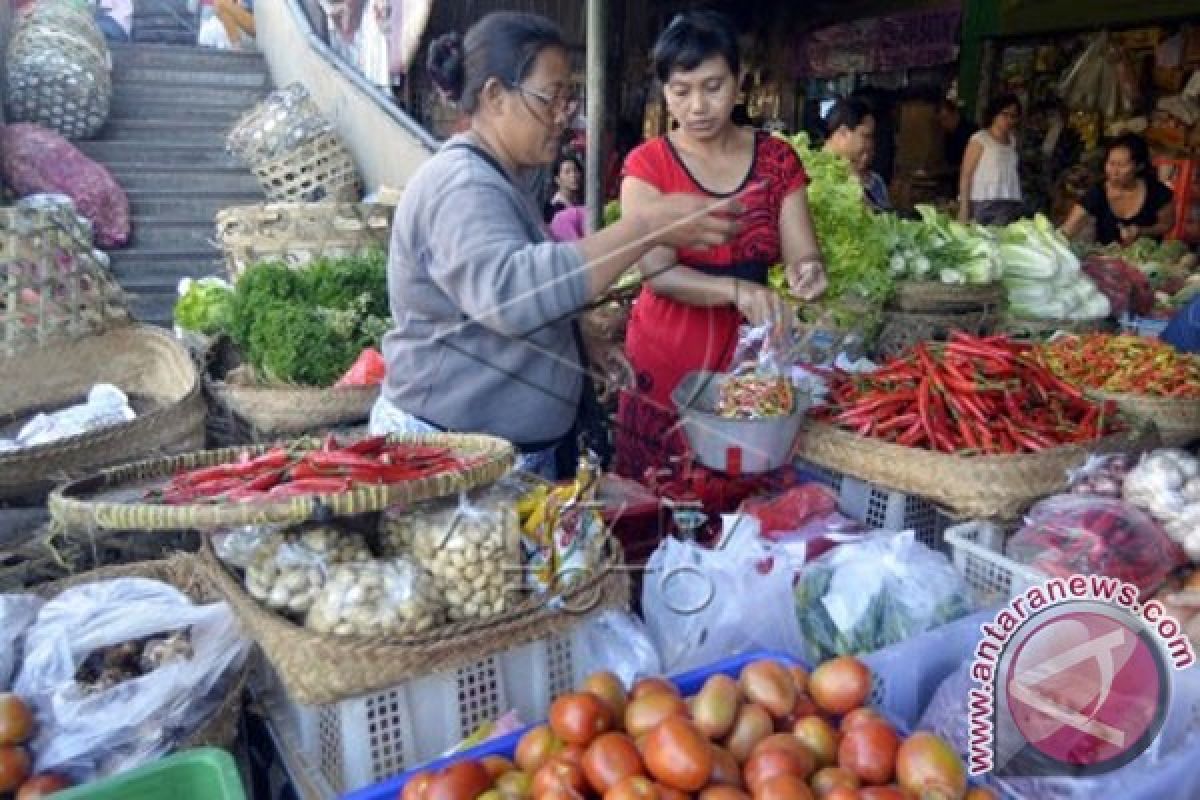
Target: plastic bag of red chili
(1072, 534)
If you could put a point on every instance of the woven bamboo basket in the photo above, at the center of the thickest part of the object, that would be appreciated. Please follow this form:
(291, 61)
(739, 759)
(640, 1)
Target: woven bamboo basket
(901, 329)
(1045, 328)
(114, 498)
(318, 668)
(271, 412)
(189, 575)
(320, 169)
(285, 119)
(933, 297)
(298, 233)
(982, 487)
(1177, 419)
(59, 79)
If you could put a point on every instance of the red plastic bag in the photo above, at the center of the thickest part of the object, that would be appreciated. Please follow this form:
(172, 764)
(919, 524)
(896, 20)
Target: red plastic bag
(792, 509)
(1081, 535)
(368, 370)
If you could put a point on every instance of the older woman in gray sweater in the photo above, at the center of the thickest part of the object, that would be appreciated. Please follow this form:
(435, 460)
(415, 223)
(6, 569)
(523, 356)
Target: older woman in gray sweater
(484, 337)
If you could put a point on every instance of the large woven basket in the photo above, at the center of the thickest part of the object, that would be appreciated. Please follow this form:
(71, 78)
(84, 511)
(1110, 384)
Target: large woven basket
(269, 412)
(934, 297)
(188, 575)
(146, 363)
(317, 668)
(285, 119)
(298, 233)
(901, 329)
(113, 499)
(1177, 419)
(988, 487)
(1022, 328)
(320, 169)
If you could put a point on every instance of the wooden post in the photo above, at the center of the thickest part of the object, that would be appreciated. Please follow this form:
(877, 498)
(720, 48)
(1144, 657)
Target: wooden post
(597, 91)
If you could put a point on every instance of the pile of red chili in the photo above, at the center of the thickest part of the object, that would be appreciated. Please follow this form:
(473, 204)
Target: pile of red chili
(283, 473)
(1125, 364)
(969, 396)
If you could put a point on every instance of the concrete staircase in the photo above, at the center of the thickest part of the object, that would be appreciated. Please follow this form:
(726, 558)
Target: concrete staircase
(165, 143)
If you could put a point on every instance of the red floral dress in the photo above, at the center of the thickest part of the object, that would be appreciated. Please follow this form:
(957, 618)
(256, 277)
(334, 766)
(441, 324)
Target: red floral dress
(667, 339)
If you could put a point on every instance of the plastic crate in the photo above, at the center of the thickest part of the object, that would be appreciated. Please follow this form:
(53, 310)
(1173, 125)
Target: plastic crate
(885, 509)
(978, 555)
(205, 773)
(362, 740)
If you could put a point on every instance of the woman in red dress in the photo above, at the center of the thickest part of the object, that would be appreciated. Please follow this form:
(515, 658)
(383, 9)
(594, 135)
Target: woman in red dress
(687, 316)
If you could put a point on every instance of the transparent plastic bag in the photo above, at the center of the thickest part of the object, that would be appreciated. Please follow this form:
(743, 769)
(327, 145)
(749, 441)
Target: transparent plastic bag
(1074, 534)
(1164, 483)
(867, 594)
(106, 406)
(702, 605)
(17, 612)
(620, 643)
(469, 544)
(88, 734)
(239, 546)
(1102, 475)
(376, 598)
(288, 570)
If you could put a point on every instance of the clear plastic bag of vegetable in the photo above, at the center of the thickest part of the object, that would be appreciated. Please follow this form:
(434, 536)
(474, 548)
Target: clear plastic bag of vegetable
(759, 384)
(469, 544)
(89, 733)
(619, 642)
(1164, 483)
(1074, 534)
(1101, 475)
(385, 597)
(237, 547)
(17, 612)
(288, 570)
(702, 605)
(868, 594)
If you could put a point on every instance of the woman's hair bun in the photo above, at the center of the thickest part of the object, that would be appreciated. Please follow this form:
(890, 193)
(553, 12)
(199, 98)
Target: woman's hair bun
(446, 65)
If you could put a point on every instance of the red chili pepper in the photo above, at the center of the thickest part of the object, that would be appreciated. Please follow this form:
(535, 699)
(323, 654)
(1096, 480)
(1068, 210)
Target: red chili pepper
(310, 486)
(371, 446)
(340, 458)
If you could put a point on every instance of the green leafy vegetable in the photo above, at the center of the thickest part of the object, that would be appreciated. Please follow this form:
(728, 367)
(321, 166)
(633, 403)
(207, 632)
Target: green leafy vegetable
(205, 307)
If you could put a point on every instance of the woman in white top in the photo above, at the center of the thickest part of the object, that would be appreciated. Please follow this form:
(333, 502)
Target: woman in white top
(989, 189)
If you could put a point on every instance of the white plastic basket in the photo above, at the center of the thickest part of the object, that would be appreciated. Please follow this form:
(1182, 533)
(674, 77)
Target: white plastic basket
(978, 553)
(363, 740)
(884, 509)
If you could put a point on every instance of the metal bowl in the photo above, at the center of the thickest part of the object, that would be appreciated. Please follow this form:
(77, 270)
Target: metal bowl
(734, 446)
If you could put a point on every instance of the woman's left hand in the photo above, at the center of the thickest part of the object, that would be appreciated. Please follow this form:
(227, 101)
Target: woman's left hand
(806, 278)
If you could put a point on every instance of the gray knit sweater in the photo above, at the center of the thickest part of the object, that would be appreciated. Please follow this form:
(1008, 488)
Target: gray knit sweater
(482, 304)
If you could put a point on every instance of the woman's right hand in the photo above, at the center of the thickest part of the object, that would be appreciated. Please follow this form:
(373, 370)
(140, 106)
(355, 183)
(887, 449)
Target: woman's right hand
(759, 304)
(688, 221)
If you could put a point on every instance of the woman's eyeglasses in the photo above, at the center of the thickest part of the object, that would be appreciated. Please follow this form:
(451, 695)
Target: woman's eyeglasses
(563, 101)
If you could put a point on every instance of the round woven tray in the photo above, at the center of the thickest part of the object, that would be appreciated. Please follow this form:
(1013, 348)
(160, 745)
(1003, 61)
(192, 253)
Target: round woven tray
(113, 499)
(146, 363)
(987, 487)
(189, 575)
(935, 296)
(318, 668)
(902, 330)
(320, 169)
(1177, 419)
(1045, 328)
(297, 233)
(283, 411)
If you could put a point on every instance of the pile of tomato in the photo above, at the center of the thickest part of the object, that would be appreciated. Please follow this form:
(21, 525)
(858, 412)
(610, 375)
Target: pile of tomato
(16, 729)
(774, 733)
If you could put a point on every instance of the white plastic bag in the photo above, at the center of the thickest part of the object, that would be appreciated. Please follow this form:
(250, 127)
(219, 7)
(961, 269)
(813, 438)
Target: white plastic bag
(17, 612)
(703, 605)
(620, 643)
(93, 735)
(106, 406)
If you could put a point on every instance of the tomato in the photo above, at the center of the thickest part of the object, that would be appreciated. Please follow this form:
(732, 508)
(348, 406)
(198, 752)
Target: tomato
(491, 794)
(769, 684)
(679, 755)
(829, 778)
(840, 685)
(572, 753)
(869, 751)
(609, 759)
(783, 787)
(885, 793)
(723, 793)
(819, 737)
(465, 780)
(715, 707)
(653, 685)
(579, 717)
(644, 713)
(497, 766)
(515, 785)
(841, 793)
(858, 716)
(608, 687)
(40, 786)
(14, 767)
(782, 741)
(772, 761)
(753, 724)
(799, 678)
(16, 720)
(925, 763)
(558, 773)
(725, 770)
(415, 788)
(634, 787)
(536, 747)
(805, 707)
(558, 793)
(667, 793)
